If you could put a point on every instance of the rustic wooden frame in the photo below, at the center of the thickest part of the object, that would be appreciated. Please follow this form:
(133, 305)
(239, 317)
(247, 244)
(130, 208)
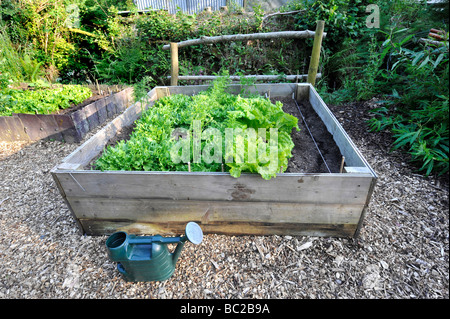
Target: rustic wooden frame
(69, 127)
(322, 204)
(312, 75)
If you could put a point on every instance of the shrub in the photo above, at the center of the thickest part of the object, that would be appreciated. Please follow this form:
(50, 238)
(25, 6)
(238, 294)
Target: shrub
(417, 108)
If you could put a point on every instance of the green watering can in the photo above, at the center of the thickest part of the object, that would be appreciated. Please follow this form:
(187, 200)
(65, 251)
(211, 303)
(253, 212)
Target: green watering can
(147, 258)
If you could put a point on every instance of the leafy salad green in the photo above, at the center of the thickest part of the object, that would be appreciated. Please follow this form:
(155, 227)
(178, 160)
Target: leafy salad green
(151, 144)
(41, 101)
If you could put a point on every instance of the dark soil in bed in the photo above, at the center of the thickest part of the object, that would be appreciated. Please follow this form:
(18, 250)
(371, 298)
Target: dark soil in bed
(306, 157)
(321, 156)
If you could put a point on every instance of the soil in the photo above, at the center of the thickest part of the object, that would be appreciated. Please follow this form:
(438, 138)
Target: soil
(307, 157)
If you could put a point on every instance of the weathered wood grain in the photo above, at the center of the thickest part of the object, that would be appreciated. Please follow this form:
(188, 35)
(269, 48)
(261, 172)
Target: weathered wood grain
(218, 186)
(160, 211)
(67, 128)
(40, 126)
(107, 227)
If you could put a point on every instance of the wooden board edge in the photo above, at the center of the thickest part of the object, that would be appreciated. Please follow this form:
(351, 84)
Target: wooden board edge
(107, 227)
(63, 195)
(366, 206)
(331, 122)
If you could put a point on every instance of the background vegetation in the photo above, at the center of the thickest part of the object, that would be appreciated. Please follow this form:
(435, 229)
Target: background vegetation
(79, 41)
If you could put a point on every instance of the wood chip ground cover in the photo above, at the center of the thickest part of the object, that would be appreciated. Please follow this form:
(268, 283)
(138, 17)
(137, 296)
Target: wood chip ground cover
(402, 251)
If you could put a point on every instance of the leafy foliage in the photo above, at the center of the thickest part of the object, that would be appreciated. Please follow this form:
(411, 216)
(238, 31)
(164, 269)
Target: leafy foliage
(149, 147)
(41, 101)
(418, 109)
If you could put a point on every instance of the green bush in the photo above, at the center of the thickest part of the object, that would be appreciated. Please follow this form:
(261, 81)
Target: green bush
(417, 106)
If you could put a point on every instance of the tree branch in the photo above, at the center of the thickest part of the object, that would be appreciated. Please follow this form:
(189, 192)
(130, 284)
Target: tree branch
(245, 37)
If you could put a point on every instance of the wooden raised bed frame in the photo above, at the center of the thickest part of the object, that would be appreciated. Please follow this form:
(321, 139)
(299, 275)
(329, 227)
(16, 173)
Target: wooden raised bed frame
(70, 127)
(143, 202)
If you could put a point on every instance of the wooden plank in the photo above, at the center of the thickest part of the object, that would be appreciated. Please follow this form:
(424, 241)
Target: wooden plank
(16, 128)
(110, 106)
(123, 99)
(160, 211)
(119, 101)
(353, 158)
(107, 227)
(350, 189)
(362, 170)
(69, 166)
(291, 77)
(274, 90)
(91, 148)
(67, 128)
(91, 115)
(80, 122)
(101, 110)
(40, 126)
(5, 131)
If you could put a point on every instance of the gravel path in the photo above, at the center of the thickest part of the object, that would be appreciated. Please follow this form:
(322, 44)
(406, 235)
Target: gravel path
(402, 251)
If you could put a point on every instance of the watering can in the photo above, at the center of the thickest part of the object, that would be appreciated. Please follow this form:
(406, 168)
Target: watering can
(147, 258)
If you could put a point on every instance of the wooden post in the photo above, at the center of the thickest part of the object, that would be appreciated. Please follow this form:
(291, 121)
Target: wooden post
(174, 61)
(315, 55)
(342, 165)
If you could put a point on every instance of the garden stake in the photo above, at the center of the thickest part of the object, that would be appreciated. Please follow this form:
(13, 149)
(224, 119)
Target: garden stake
(342, 165)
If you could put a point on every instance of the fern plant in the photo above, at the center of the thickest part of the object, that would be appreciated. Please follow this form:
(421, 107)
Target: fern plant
(31, 68)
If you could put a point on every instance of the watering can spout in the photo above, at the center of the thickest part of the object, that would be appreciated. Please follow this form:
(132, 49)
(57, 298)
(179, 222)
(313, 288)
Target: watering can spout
(178, 249)
(193, 233)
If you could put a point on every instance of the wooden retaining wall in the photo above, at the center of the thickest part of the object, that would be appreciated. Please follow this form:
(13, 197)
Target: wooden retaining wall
(150, 202)
(70, 127)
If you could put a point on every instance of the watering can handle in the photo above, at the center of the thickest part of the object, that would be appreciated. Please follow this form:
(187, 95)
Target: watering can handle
(145, 240)
(170, 240)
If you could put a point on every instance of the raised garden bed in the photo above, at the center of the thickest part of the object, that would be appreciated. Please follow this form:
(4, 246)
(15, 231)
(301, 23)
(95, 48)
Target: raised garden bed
(70, 125)
(302, 201)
